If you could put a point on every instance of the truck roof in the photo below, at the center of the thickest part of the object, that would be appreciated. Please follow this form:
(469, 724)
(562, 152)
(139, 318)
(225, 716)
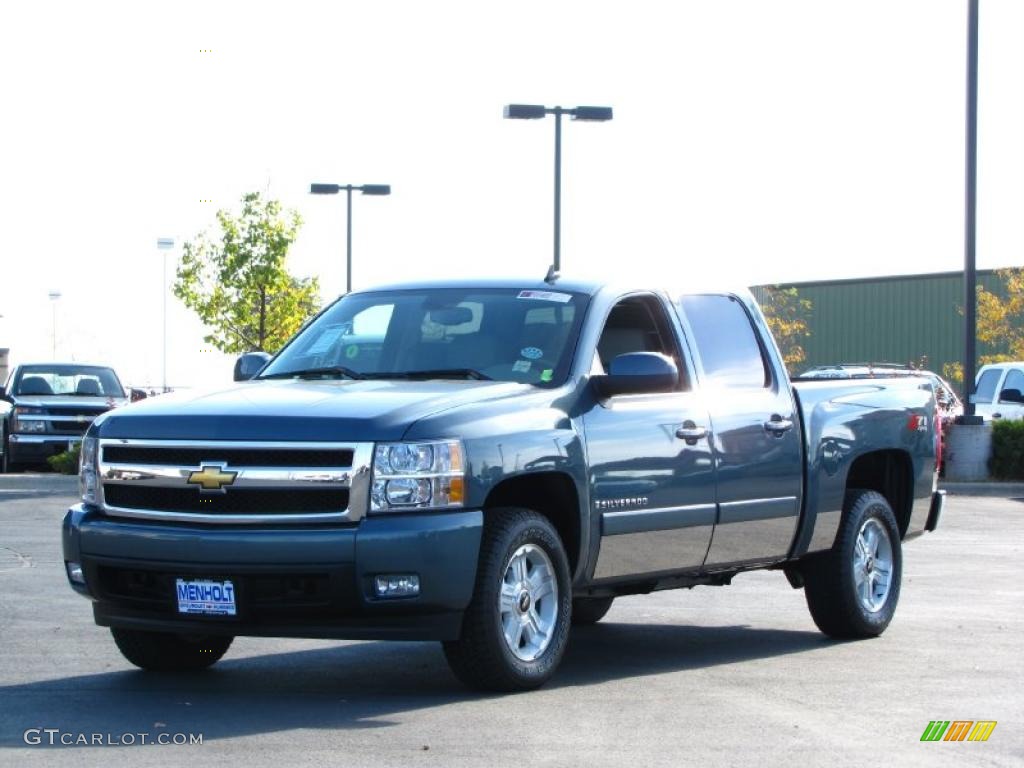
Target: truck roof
(564, 284)
(568, 285)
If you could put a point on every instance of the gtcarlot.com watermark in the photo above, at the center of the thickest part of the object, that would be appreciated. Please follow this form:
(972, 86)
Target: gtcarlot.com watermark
(55, 737)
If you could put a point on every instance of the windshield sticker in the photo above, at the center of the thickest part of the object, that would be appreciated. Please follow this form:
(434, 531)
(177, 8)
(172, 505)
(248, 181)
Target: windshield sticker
(547, 374)
(521, 366)
(352, 351)
(326, 340)
(561, 298)
(531, 353)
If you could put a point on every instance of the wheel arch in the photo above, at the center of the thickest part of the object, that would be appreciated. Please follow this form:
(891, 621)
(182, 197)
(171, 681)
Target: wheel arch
(891, 473)
(551, 494)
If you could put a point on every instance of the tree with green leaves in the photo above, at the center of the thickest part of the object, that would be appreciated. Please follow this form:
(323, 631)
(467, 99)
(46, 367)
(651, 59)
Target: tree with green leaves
(236, 281)
(786, 314)
(1000, 324)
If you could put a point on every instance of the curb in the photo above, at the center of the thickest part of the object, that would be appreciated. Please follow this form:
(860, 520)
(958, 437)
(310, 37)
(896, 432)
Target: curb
(997, 489)
(39, 482)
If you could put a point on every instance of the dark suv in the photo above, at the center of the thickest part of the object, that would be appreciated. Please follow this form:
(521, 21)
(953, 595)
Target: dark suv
(45, 408)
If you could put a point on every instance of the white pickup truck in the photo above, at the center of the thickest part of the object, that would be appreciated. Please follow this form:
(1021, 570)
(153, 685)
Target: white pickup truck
(999, 391)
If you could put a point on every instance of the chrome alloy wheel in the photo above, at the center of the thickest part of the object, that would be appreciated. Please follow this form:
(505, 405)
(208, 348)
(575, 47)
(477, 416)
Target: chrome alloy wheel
(872, 565)
(528, 602)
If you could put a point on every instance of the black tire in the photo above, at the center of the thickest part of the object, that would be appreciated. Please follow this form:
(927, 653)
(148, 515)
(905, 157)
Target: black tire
(481, 658)
(6, 465)
(590, 610)
(168, 652)
(831, 578)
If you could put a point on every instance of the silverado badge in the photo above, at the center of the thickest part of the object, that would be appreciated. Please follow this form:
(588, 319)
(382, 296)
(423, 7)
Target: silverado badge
(212, 477)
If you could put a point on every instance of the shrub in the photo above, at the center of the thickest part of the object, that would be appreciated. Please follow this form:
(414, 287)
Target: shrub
(66, 463)
(1007, 462)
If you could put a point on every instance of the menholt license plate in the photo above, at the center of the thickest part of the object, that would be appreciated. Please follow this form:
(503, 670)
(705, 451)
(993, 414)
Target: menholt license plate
(216, 598)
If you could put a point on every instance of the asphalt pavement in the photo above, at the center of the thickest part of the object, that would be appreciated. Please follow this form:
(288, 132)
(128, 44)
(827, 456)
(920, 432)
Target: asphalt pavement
(710, 676)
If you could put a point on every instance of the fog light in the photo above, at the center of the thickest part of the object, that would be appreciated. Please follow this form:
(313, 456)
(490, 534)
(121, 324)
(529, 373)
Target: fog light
(397, 585)
(75, 574)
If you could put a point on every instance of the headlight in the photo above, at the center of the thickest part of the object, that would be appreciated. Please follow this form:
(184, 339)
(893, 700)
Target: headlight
(427, 475)
(23, 421)
(88, 472)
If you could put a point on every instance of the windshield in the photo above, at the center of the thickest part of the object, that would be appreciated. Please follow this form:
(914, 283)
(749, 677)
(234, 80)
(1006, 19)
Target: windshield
(81, 380)
(502, 334)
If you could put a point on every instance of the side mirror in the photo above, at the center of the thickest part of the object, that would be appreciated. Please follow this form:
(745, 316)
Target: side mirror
(638, 373)
(3, 393)
(1011, 396)
(249, 364)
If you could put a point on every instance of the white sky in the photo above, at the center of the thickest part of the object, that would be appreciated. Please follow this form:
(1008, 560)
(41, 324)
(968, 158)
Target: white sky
(752, 141)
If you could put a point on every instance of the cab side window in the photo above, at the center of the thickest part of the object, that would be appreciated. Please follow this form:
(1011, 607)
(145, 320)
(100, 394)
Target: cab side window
(1014, 380)
(986, 389)
(728, 346)
(638, 324)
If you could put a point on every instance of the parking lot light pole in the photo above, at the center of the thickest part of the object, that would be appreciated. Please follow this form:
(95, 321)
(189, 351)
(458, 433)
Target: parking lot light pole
(164, 244)
(538, 112)
(333, 189)
(970, 217)
(54, 296)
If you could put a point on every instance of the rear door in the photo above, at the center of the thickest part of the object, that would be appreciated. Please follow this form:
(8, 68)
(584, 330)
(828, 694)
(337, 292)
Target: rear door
(756, 444)
(651, 487)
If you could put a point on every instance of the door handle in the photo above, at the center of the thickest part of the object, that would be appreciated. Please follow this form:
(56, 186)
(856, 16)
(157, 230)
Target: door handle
(691, 433)
(997, 415)
(778, 426)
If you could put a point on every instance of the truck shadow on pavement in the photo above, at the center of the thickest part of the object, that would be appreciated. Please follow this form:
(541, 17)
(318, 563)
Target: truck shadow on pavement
(352, 686)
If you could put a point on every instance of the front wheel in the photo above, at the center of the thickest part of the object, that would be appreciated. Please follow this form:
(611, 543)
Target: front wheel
(852, 590)
(517, 625)
(168, 652)
(6, 465)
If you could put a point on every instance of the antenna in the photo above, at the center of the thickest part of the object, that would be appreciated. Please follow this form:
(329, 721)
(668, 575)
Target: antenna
(552, 275)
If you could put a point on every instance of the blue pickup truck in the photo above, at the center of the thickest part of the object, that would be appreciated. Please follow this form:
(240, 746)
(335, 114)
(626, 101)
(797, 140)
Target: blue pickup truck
(487, 463)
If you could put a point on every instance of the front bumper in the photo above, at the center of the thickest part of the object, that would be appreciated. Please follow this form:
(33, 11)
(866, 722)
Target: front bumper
(298, 581)
(38, 448)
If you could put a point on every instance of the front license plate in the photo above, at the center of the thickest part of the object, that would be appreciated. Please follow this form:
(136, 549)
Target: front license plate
(216, 598)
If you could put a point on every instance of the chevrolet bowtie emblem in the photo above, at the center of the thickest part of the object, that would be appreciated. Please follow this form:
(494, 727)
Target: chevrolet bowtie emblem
(212, 477)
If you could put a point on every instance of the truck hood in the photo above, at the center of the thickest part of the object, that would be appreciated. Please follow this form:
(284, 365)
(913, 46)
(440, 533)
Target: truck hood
(69, 401)
(295, 410)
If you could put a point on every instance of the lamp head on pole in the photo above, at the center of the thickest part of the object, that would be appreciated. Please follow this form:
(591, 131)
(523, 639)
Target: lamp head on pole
(324, 189)
(524, 111)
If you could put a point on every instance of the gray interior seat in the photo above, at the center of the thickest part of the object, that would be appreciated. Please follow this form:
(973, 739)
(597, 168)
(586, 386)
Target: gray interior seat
(88, 387)
(34, 385)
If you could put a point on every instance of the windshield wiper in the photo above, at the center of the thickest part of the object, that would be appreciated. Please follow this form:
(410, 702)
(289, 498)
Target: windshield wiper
(436, 373)
(313, 373)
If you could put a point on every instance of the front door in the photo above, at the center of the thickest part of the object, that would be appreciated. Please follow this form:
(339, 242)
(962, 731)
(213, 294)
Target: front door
(652, 489)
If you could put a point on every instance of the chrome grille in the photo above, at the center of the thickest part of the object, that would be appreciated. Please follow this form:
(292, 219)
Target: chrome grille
(224, 482)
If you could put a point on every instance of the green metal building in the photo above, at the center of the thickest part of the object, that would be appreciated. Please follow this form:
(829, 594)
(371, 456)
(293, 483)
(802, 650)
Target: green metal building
(898, 319)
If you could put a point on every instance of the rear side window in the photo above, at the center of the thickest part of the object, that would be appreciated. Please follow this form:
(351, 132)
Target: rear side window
(1014, 380)
(986, 390)
(726, 342)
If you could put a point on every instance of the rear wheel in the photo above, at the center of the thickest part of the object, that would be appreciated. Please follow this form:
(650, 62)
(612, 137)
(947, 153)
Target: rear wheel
(852, 590)
(590, 610)
(169, 652)
(517, 625)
